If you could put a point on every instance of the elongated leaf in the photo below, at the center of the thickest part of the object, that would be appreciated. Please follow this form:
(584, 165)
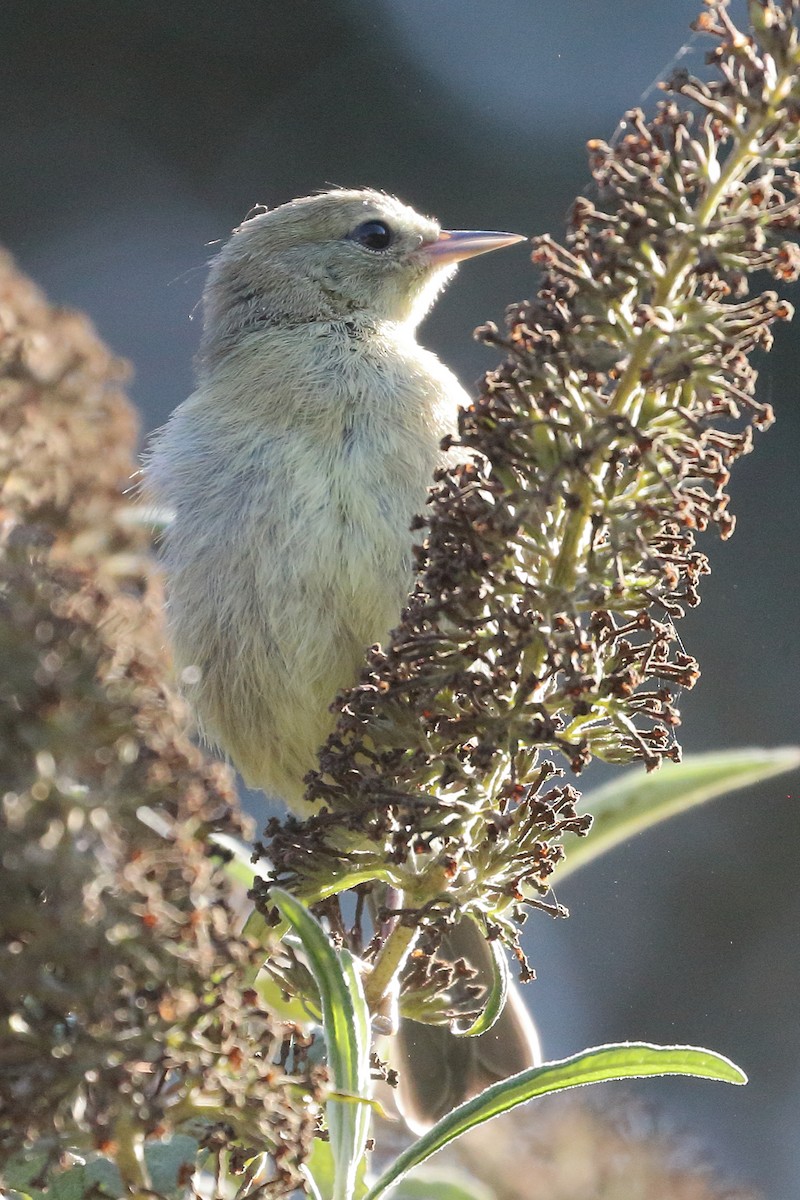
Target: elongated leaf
(314, 1191)
(497, 995)
(633, 801)
(21, 1170)
(626, 1060)
(320, 1172)
(167, 1160)
(346, 1023)
(69, 1184)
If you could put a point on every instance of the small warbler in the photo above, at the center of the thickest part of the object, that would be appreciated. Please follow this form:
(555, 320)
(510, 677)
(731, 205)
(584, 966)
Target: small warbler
(293, 473)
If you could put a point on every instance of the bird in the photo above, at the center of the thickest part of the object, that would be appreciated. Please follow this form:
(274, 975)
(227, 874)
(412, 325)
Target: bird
(292, 475)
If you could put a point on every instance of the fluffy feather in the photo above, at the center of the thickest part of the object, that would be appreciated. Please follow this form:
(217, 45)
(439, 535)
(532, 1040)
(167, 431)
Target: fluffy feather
(294, 471)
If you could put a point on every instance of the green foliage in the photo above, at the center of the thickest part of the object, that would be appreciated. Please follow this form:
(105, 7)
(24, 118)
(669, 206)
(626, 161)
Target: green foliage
(495, 999)
(558, 561)
(346, 1023)
(542, 634)
(629, 1060)
(631, 802)
(97, 1176)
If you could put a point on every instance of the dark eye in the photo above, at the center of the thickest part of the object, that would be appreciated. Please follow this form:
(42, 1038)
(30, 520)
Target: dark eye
(373, 235)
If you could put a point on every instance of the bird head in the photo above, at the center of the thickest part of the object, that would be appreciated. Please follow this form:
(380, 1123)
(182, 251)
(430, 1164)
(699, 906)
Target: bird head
(355, 256)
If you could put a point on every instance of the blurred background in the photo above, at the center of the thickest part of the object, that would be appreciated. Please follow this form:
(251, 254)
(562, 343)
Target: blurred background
(134, 134)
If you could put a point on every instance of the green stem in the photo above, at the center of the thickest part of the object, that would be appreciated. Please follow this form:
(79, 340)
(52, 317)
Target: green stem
(627, 396)
(392, 955)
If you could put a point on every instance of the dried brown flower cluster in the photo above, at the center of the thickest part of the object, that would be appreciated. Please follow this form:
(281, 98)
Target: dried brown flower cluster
(125, 1010)
(557, 563)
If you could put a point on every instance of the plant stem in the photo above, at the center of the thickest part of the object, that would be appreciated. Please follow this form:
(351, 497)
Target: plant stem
(388, 964)
(624, 401)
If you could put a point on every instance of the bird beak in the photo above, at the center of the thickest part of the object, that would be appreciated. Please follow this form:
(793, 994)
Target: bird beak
(454, 244)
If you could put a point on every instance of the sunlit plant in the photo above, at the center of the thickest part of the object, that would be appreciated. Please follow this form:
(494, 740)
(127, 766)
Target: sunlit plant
(152, 1045)
(557, 562)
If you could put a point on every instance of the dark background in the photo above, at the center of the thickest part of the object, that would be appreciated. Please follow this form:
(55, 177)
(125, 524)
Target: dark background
(135, 133)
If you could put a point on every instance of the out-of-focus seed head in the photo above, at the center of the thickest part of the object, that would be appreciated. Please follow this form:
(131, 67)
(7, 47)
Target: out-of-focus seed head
(124, 977)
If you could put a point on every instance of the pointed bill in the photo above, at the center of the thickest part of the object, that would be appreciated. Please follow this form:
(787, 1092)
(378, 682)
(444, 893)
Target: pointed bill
(453, 245)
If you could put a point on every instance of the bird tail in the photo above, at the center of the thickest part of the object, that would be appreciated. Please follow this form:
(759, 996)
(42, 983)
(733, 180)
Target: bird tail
(438, 1069)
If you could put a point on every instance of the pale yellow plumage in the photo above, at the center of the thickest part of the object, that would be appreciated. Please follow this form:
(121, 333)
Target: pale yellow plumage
(295, 469)
(294, 472)
(291, 551)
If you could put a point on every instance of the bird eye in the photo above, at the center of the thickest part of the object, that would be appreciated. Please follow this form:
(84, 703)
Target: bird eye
(373, 235)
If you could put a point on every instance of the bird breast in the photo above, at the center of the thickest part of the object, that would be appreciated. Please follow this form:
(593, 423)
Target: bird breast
(294, 472)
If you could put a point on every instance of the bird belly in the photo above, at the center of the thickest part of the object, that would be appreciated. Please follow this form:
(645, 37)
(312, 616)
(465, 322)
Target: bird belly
(291, 550)
(276, 618)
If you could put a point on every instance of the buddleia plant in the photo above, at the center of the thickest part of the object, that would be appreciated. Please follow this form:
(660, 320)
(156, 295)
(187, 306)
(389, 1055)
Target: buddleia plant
(144, 1014)
(555, 565)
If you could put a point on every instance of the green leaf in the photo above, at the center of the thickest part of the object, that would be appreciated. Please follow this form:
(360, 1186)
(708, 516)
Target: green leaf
(167, 1158)
(300, 1009)
(20, 1171)
(346, 1023)
(104, 1178)
(68, 1185)
(634, 801)
(320, 1172)
(315, 1192)
(496, 999)
(348, 877)
(98, 1176)
(627, 1060)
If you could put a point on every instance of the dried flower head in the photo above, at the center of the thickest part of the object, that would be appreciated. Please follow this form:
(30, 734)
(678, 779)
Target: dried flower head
(557, 562)
(125, 1001)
